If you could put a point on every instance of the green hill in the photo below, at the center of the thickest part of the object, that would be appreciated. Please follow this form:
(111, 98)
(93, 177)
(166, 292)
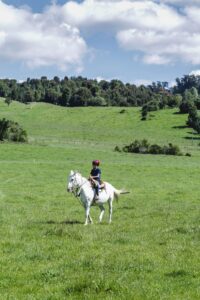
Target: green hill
(151, 250)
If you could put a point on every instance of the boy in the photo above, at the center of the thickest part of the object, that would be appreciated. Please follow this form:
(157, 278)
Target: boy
(95, 177)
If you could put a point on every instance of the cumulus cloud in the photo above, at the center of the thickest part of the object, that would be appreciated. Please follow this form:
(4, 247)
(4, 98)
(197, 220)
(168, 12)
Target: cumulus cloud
(195, 73)
(160, 32)
(121, 14)
(139, 82)
(156, 59)
(39, 39)
(180, 2)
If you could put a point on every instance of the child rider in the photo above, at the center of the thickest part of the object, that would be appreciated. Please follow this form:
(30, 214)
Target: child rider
(95, 177)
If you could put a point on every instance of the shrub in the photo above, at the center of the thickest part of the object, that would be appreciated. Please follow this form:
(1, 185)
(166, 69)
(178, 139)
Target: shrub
(186, 106)
(8, 100)
(11, 131)
(144, 147)
(117, 149)
(188, 154)
(194, 120)
(137, 147)
(148, 107)
(155, 149)
(172, 150)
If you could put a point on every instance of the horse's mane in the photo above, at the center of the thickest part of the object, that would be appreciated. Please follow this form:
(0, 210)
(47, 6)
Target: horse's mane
(78, 173)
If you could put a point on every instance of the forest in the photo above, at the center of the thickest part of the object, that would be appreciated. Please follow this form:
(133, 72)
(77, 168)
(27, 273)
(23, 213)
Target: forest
(80, 91)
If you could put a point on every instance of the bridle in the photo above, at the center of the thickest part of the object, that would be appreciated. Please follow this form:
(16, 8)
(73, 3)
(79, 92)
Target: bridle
(76, 188)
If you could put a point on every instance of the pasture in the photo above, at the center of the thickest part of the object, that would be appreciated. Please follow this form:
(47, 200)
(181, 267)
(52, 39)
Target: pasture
(150, 251)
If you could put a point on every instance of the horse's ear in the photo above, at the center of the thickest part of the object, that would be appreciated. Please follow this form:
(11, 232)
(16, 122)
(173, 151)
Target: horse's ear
(71, 172)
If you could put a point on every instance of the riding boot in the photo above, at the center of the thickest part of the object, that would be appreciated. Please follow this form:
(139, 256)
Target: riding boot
(96, 196)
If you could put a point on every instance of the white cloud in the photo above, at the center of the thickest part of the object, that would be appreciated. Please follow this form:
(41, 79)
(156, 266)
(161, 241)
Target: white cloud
(100, 78)
(39, 39)
(159, 31)
(195, 73)
(156, 59)
(181, 2)
(121, 14)
(145, 82)
(159, 48)
(156, 29)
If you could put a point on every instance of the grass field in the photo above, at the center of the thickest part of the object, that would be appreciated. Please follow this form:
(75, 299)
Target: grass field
(150, 251)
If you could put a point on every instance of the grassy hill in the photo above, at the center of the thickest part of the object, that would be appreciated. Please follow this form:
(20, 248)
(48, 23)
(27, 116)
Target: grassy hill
(150, 251)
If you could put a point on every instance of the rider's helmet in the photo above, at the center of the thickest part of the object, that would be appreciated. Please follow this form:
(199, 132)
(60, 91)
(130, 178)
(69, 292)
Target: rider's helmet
(96, 162)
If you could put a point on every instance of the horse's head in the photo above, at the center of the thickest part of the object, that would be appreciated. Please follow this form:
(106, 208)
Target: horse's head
(74, 181)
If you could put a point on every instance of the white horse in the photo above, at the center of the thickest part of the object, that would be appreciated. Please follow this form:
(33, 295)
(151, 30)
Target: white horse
(81, 187)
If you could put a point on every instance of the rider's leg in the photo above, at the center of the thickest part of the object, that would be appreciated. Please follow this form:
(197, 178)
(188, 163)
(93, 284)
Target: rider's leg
(96, 191)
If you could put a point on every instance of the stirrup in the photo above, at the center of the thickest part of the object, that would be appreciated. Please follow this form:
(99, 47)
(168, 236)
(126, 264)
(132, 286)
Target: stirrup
(96, 198)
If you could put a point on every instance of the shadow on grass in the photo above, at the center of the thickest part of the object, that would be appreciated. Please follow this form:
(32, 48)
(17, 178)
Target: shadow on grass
(128, 207)
(67, 222)
(175, 274)
(192, 138)
(180, 127)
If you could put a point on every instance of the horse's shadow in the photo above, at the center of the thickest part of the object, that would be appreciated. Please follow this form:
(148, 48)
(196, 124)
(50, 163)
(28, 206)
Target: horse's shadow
(192, 138)
(66, 222)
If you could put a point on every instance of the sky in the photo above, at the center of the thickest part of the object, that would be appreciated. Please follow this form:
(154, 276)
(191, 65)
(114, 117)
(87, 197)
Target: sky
(136, 41)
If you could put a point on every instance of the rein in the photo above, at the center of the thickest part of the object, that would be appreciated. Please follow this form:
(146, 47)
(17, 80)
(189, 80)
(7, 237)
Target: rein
(77, 190)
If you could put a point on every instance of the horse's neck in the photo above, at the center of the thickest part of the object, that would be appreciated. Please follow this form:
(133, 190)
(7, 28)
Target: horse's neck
(84, 182)
(85, 185)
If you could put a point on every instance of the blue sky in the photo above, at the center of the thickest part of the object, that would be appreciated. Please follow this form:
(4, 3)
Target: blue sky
(137, 41)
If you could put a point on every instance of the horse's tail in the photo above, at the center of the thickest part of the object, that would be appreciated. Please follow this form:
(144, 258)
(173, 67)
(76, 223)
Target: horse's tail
(117, 193)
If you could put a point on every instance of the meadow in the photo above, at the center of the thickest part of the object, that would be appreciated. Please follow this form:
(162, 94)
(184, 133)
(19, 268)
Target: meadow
(151, 249)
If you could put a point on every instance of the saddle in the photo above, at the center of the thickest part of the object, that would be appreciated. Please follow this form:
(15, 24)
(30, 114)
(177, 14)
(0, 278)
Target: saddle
(95, 183)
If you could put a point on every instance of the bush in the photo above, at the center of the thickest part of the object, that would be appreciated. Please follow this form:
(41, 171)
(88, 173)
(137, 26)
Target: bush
(155, 149)
(186, 106)
(11, 131)
(144, 147)
(188, 154)
(148, 107)
(117, 149)
(137, 147)
(172, 150)
(194, 120)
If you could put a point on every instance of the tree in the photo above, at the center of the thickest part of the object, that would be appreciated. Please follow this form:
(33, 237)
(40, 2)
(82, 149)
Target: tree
(3, 88)
(65, 97)
(52, 96)
(28, 96)
(11, 131)
(8, 100)
(188, 101)
(97, 101)
(81, 97)
(194, 119)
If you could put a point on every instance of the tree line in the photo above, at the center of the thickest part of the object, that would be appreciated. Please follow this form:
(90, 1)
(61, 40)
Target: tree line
(80, 91)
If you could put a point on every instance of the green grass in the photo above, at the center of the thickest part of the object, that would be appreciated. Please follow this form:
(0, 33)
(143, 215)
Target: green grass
(150, 251)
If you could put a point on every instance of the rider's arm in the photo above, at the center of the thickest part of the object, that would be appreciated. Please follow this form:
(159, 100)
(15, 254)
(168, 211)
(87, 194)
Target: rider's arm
(95, 177)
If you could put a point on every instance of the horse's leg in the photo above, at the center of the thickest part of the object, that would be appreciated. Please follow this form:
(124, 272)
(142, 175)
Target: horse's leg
(90, 219)
(102, 213)
(87, 213)
(110, 210)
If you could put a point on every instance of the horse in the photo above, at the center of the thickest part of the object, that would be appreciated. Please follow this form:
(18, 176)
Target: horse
(81, 187)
